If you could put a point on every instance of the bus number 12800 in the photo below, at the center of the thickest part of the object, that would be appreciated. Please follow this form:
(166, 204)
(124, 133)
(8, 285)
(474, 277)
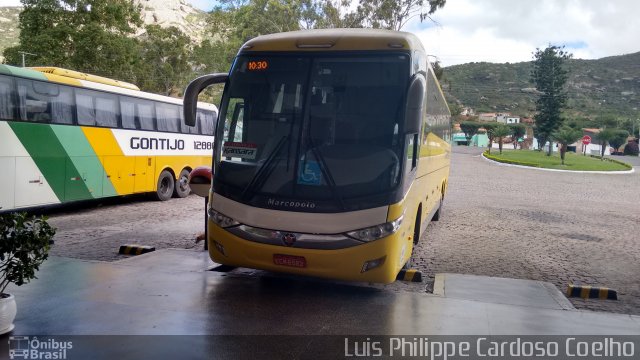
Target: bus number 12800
(202, 145)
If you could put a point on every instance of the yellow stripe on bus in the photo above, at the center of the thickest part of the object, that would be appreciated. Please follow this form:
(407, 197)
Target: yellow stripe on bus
(62, 79)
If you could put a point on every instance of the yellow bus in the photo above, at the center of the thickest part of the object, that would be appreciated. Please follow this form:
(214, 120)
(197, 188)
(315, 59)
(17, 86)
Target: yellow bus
(332, 153)
(68, 136)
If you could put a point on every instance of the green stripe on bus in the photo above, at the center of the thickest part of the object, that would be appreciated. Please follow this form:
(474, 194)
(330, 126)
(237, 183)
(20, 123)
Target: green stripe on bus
(27, 73)
(51, 158)
(84, 159)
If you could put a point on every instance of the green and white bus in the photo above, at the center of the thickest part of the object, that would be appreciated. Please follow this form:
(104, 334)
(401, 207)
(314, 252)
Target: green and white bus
(68, 136)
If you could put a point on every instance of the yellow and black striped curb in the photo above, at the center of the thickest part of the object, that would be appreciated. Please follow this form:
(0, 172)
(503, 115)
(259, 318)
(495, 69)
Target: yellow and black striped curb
(591, 292)
(412, 275)
(134, 249)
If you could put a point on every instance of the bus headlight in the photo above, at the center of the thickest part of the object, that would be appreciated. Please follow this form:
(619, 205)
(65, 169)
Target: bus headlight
(221, 219)
(376, 232)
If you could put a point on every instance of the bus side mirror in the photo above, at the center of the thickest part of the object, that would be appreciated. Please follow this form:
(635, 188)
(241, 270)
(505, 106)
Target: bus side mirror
(415, 104)
(194, 89)
(200, 181)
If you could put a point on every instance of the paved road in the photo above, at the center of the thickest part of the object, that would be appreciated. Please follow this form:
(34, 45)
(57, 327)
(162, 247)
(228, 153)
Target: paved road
(531, 224)
(499, 221)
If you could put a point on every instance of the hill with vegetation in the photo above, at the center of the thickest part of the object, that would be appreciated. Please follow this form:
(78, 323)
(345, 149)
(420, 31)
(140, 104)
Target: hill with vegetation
(165, 13)
(607, 87)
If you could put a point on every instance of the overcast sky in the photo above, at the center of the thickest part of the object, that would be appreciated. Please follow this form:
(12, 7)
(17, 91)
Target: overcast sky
(510, 30)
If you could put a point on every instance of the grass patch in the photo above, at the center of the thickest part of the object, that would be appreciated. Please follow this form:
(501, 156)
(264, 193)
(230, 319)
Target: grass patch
(571, 162)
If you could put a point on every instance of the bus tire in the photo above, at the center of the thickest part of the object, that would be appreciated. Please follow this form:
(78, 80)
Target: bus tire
(181, 188)
(438, 214)
(416, 238)
(164, 190)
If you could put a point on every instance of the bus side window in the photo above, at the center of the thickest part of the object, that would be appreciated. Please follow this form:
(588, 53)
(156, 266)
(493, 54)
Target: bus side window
(7, 105)
(62, 106)
(183, 127)
(168, 117)
(107, 110)
(34, 98)
(128, 112)
(206, 122)
(196, 128)
(144, 112)
(85, 108)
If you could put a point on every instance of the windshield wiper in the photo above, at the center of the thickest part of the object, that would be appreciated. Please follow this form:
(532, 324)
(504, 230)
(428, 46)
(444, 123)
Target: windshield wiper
(265, 170)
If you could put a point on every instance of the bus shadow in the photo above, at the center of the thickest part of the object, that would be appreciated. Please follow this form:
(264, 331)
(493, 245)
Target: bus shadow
(83, 205)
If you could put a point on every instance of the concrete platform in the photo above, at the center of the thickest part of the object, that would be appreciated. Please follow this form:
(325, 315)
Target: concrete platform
(538, 294)
(170, 292)
(97, 306)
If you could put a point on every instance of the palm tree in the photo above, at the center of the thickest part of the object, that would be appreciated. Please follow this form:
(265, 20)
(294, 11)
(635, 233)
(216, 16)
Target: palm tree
(499, 132)
(605, 136)
(489, 127)
(566, 136)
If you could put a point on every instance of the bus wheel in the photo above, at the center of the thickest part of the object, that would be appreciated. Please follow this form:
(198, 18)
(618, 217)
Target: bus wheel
(416, 238)
(181, 188)
(438, 213)
(165, 186)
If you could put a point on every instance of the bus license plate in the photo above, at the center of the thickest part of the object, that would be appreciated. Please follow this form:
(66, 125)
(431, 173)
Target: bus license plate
(290, 260)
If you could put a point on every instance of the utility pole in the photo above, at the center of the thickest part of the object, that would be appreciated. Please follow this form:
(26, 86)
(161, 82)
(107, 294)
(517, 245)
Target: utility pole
(23, 53)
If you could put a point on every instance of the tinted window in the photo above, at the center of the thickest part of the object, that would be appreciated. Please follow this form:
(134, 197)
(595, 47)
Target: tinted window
(107, 111)
(168, 117)
(7, 106)
(206, 119)
(97, 108)
(128, 111)
(85, 108)
(192, 129)
(144, 112)
(44, 102)
(62, 106)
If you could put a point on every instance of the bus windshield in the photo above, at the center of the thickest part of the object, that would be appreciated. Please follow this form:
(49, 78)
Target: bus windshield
(314, 128)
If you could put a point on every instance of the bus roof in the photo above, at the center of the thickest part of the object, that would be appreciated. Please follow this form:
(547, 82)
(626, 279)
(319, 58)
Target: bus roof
(54, 77)
(335, 40)
(82, 76)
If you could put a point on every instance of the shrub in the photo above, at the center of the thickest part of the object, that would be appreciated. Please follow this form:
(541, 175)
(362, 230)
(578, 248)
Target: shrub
(508, 161)
(24, 245)
(631, 148)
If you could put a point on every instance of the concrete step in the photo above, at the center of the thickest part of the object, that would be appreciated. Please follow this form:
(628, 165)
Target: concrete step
(495, 290)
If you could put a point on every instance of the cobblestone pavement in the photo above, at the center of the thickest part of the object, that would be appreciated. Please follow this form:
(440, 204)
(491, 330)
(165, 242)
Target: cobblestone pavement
(498, 221)
(539, 225)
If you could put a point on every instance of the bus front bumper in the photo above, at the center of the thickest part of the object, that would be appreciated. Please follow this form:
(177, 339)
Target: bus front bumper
(356, 263)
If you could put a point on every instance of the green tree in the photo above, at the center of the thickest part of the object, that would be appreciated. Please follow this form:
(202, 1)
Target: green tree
(165, 67)
(394, 14)
(334, 14)
(605, 136)
(469, 128)
(619, 138)
(549, 76)
(489, 128)
(438, 70)
(86, 35)
(517, 132)
(566, 136)
(499, 132)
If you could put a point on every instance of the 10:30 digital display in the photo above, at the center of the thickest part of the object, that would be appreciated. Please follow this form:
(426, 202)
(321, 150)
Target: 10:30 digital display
(257, 65)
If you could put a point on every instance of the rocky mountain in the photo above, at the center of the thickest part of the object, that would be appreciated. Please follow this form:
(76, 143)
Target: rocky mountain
(607, 86)
(9, 27)
(178, 13)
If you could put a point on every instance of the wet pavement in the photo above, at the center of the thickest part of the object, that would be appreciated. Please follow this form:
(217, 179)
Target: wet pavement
(142, 296)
